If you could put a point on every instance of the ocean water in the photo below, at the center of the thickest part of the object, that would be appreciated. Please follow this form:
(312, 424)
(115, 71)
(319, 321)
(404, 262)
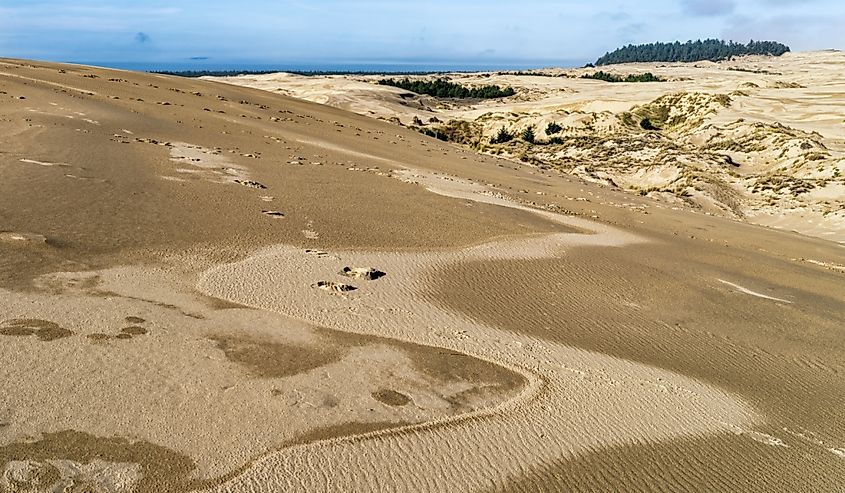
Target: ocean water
(351, 67)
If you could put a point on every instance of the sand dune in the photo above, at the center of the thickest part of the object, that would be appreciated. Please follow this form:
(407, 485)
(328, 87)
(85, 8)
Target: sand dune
(757, 138)
(177, 312)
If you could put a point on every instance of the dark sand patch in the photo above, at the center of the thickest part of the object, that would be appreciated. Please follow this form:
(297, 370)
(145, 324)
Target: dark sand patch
(43, 329)
(391, 397)
(441, 365)
(163, 470)
(268, 359)
(134, 330)
(134, 320)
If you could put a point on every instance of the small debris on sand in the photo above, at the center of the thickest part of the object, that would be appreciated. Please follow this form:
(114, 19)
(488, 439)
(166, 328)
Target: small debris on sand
(334, 287)
(367, 273)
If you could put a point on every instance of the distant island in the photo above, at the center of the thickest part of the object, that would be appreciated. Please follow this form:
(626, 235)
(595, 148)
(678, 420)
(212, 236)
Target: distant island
(442, 88)
(691, 51)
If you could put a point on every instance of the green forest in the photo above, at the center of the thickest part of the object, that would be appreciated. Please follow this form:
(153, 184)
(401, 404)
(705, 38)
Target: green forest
(646, 77)
(691, 51)
(442, 88)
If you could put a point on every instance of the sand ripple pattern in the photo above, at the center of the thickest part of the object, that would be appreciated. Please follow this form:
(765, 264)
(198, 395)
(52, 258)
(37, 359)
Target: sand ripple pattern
(577, 402)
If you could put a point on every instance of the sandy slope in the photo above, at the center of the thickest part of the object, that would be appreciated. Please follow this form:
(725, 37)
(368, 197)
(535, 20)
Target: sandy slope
(162, 244)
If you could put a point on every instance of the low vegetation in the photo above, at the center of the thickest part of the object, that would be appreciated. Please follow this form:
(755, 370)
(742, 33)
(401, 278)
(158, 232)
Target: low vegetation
(442, 88)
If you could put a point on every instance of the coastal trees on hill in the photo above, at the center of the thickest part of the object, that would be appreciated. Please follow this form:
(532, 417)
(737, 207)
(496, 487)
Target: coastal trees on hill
(691, 51)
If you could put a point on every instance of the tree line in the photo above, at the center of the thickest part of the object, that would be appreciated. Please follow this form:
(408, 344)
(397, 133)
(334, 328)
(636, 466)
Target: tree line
(646, 77)
(691, 51)
(442, 88)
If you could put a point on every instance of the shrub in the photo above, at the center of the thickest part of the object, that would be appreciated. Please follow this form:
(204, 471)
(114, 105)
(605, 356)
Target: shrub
(528, 135)
(553, 128)
(502, 137)
(646, 124)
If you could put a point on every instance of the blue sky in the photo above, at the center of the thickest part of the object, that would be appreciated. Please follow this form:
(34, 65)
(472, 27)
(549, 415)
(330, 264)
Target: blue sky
(381, 30)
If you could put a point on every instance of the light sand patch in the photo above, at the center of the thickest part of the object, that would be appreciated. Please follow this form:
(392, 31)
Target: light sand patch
(67, 475)
(576, 400)
(752, 293)
(827, 265)
(22, 238)
(42, 163)
(207, 164)
(760, 437)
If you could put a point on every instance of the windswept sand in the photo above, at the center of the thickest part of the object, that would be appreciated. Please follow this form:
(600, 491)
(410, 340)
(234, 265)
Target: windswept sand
(212, 288)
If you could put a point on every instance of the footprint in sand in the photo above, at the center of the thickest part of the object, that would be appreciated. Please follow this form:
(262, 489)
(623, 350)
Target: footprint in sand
(125, 333)
(43, 329)
(251, 184)
(367, 273)
(274, 214)
(321, 254)
(334, 287)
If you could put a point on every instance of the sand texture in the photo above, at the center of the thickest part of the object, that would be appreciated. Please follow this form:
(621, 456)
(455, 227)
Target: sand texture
(206, 287)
